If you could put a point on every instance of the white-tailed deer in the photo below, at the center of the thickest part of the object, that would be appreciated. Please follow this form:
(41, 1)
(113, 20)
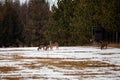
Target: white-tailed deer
(103, 45)
(41, 47)
(56, 44)
(51, 45)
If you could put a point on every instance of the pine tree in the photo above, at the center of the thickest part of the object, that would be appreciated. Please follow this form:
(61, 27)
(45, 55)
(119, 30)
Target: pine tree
(38, 14)
(1, 18)
(11, 28)
(82, 22)
(107, 14)
(60, 22)
(71, 21)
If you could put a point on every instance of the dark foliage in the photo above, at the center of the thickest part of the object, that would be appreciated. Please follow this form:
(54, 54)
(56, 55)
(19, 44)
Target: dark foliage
(70, 22)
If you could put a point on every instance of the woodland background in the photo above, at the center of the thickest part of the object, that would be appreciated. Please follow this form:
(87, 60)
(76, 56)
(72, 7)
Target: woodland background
(70, 22)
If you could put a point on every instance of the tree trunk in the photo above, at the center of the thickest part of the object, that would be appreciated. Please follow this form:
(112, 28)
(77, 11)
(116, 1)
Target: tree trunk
(116, 37)
(113, 37)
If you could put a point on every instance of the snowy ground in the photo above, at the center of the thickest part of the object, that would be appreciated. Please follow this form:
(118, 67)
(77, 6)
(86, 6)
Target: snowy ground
(65, 63)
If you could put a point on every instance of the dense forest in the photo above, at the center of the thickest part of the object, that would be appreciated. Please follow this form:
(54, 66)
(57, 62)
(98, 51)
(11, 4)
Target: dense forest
(70, 22)
(23, 24)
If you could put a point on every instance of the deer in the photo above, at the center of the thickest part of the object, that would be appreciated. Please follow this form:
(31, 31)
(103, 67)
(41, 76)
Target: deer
(41, 47)
(56, 44)
(51, 45)
(103, 45)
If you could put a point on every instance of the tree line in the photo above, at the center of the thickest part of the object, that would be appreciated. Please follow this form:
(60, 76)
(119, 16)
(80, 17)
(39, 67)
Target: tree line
(23, 24)
(70, 22)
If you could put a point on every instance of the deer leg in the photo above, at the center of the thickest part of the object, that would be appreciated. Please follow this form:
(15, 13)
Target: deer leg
(38, 48)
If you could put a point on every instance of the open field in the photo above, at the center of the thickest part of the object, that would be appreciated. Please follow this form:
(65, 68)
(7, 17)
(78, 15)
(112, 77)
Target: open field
(65, 63)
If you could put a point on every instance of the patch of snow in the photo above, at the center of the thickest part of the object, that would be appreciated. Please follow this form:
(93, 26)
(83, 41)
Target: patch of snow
(25, 57)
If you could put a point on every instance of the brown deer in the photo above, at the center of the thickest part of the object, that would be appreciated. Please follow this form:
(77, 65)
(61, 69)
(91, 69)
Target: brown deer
(41, 47)
(103, 45)
(51, 45)
(56, 44)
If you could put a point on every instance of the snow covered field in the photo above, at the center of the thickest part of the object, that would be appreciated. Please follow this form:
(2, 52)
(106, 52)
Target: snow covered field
(65, 63)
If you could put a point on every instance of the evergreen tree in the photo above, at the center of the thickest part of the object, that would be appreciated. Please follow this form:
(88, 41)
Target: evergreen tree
(38, 15)
(82, 22)
(1, 18)
(11, 29)
(72, 20)
(107, 14)
(73, 26)
(1, 14)
(60, 22)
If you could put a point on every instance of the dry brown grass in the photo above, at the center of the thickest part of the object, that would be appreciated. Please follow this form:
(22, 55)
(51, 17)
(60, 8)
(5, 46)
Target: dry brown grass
(6, 69)
(81, 64)
(9, 78)
(116, 69)
(109, 45)
(73, 64)
(31, 66)
(60, 63)
(114, 45)
(17, 57)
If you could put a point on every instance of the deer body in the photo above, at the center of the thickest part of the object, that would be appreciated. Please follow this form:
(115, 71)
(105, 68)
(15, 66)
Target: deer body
(50, 46)
(55, 45)
(103, 45)
(41, 47)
